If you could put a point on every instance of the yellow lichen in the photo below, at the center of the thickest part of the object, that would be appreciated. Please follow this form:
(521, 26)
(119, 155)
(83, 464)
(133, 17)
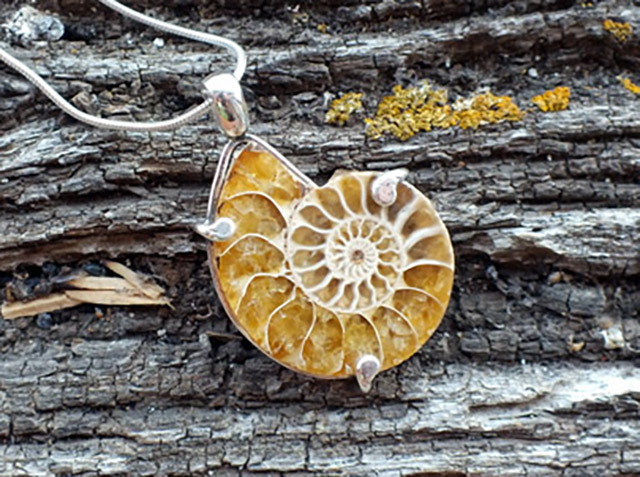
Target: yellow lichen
(622, 31)
(627, 83)
(342, 108)
(485, 108)
(422, 108)
(322, 27)
(553, 100)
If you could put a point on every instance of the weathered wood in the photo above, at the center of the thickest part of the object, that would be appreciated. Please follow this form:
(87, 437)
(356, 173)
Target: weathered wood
(535, 368)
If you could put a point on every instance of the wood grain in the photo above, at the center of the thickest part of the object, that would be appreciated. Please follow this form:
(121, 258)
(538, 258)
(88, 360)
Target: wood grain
(535, 368)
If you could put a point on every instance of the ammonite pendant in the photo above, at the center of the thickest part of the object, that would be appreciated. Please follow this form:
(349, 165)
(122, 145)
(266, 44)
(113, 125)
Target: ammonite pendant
(349, 278)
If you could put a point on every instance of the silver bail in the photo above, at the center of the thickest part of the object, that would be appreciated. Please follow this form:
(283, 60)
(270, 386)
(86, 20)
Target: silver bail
(229, 106)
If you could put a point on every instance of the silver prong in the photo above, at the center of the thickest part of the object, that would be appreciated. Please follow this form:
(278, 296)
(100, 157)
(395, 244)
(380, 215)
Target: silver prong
(218, 231)
(228, 105)
(384, 188)
(367, 368)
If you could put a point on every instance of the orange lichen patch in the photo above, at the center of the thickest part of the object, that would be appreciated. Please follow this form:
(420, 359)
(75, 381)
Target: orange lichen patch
(553, 100)
(260, 171)
(409, 110)
(485, 108)
(413, 109)
(342, 108)
(628, 84)
(399, 340)
(621, 31)
(262, 297)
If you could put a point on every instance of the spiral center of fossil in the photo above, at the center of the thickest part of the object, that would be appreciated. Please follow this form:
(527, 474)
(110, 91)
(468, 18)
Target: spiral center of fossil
(352, 258)
(357, 256)
(353, 267)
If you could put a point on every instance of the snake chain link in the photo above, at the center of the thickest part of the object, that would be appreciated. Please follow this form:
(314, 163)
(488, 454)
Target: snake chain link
(169, 124)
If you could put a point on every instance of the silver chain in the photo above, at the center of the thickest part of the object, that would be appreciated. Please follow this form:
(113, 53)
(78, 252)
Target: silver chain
(173, 123)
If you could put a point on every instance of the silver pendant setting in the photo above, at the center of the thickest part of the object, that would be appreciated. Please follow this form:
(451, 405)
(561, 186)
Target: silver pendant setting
(342, 280)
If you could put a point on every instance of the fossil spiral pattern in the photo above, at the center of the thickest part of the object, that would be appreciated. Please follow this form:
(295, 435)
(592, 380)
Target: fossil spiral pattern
(318, 277)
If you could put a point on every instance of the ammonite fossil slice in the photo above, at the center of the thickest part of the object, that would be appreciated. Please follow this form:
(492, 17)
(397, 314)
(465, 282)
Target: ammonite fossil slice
(319, 278)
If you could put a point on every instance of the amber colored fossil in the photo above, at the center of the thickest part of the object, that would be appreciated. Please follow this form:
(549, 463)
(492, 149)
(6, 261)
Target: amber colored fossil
(317, 277)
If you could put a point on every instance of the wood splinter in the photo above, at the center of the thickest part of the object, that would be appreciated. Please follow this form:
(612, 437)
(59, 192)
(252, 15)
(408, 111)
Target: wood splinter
(130, 289)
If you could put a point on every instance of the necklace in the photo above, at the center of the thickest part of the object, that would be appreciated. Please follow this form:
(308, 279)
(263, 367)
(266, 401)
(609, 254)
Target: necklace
(345, 279)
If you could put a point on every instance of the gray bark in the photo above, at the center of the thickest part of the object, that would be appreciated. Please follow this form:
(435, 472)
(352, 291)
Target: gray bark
(534, 370)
